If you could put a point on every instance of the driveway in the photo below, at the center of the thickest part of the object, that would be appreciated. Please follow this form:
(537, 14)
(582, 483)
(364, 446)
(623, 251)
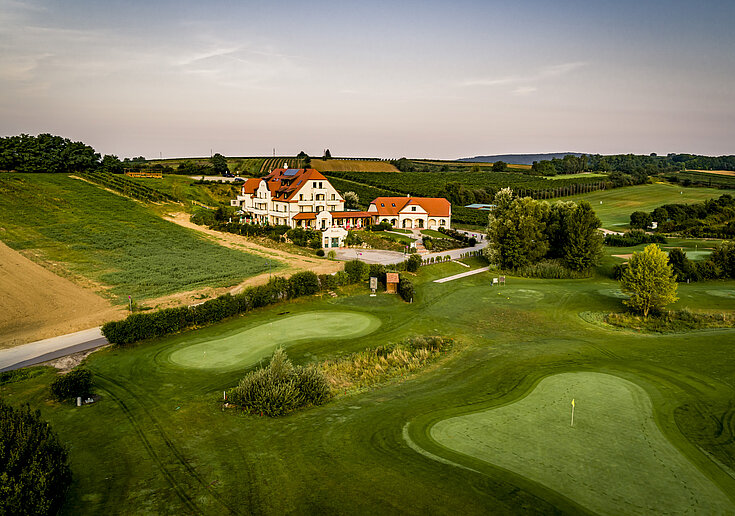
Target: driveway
(49, 349)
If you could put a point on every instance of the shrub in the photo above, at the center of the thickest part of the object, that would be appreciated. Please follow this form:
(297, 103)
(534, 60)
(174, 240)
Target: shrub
(377, 270)
(33, 463)
(357, 271)
(320, 252)
(405, 289)
(76, 383)
(549, 269)
(632, 238)
(332, 254)
(303, 284)
(413, 263)
(280, 388)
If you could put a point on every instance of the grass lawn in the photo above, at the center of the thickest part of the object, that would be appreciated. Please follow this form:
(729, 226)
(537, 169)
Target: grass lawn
(534, 438)
(159, 441)
(112, 241)
(619, 203)
(433, 234)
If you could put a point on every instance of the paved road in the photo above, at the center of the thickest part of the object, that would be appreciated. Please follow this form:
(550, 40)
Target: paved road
(49, 349)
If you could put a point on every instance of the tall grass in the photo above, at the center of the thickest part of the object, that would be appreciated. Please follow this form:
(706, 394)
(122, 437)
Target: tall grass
(376, 365)
(672, 321)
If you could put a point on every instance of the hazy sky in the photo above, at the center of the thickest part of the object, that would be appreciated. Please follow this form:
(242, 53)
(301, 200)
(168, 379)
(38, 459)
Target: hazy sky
(387, 79)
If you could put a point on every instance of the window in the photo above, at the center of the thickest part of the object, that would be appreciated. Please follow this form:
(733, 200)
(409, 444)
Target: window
(319, 208)
(320, 184)
(332, 196)
(301, 197)
(413, 208)
(443, 222)
(382, 205)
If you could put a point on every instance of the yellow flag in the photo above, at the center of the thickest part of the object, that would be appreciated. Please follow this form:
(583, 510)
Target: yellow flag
(572, 402)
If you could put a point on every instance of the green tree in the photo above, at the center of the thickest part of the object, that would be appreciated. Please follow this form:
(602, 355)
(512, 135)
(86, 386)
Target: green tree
(500, 166)
(327, 155)
(352, 200)
(640, 220)
(516, 231)
(582, 248)
(219, 163)
(34, 473)
(649, 281)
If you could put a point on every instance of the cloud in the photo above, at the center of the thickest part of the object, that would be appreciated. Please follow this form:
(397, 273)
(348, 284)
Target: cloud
(524, 83)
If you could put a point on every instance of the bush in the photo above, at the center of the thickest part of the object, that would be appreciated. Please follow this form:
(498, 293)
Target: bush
(405, 289)
(357, 271)
(632, 238)
(320, 252)
(33, 464)
(549, 269)
(203, 217)
(332, 255)
(280, 388)
(303, 284)
(76, 383)
(413, 263)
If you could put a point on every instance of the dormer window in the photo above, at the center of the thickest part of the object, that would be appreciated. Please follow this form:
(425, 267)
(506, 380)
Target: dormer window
(393, 204)
(382, 205)
(413, 208)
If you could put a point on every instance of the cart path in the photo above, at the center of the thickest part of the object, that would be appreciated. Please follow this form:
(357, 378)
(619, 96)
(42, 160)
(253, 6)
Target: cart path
(50, 349)
(462, 275)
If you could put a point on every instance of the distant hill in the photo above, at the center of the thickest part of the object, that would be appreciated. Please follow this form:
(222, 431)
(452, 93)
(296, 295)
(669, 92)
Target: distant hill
(519, 159)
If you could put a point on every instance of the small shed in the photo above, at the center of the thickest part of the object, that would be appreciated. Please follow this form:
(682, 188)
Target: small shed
(391, 282)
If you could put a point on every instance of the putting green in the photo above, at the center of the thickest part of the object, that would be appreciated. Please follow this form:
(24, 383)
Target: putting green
(245, 348)
(614, 460)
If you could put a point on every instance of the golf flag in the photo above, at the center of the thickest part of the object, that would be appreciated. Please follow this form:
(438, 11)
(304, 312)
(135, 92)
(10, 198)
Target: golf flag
(572, 402)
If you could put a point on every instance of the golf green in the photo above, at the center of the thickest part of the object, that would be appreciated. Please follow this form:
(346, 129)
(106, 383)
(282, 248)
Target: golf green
(613, 460)
(245, 348)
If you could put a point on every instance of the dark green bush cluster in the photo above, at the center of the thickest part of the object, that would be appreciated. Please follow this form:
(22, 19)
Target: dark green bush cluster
(357, 271)
(305, 237)
(720, 264)
(440, 244)
(632, 238)
(75, 383)
(470, 241)
(280, 388)
(34, 473)
(713, 218)
(320, 252)
(550, 269)
(139, 326)
(275, 233)
(405, 289)
(383, 226)
(671, 321)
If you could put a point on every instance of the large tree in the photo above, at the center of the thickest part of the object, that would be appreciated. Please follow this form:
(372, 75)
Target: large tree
(649, 281)
(219, 163)
(516, 230)
(34, 473)
(582, 247)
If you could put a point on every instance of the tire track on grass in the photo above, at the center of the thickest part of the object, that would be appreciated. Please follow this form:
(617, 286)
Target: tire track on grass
(149, 448)
(180, 459)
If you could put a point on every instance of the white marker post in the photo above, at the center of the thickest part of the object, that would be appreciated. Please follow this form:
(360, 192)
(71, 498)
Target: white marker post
(572, 412)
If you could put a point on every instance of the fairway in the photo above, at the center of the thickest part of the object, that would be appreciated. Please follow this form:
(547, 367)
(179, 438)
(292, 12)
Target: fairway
(247, 347)
(619, 203)
(613, 460)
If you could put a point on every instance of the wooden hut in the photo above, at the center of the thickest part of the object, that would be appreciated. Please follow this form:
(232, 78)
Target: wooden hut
(391, 282)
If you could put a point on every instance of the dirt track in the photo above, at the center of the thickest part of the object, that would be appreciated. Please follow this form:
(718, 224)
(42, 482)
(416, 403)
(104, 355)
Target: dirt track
(36, 303)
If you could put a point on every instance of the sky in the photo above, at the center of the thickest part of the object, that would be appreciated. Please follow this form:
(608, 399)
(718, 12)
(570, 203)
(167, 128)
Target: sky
(376, 79)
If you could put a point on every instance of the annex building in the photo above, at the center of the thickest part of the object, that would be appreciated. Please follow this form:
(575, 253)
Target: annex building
(412, 212)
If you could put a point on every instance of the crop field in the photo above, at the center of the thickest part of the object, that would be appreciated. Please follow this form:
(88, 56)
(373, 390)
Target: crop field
(184, 189)
(350, 165)
(430, 184)
(716, 179)
(117, 244)
(615, 206)
(484, 430)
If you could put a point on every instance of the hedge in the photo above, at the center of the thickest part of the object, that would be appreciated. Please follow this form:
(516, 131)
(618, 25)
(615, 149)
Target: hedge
(139, 326)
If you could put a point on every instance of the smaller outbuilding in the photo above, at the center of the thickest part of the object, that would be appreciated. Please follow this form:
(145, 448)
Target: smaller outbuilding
(391, 282)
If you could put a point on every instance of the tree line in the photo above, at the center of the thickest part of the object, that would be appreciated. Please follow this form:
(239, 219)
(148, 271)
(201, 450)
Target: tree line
(632, 164)
(713, 218)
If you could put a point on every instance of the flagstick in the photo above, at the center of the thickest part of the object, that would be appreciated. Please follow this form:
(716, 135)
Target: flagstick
(572, 416)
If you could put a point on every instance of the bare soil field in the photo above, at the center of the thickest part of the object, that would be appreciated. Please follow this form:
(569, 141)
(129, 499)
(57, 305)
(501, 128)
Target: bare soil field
(37, 304)
(348, 165)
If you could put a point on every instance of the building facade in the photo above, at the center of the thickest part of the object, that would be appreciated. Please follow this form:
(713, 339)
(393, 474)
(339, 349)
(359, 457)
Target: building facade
(412, 212)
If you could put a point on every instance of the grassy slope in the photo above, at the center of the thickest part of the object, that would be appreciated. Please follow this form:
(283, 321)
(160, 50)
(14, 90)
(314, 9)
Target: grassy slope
(111, 240)
(158, 441)
(619, 203)
(184, 189)
(348, 165)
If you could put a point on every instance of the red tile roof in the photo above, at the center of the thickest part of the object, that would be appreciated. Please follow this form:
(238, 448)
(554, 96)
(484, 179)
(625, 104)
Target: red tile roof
(434, 206)
(350, 214)
(286, 187)
(305, 216)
